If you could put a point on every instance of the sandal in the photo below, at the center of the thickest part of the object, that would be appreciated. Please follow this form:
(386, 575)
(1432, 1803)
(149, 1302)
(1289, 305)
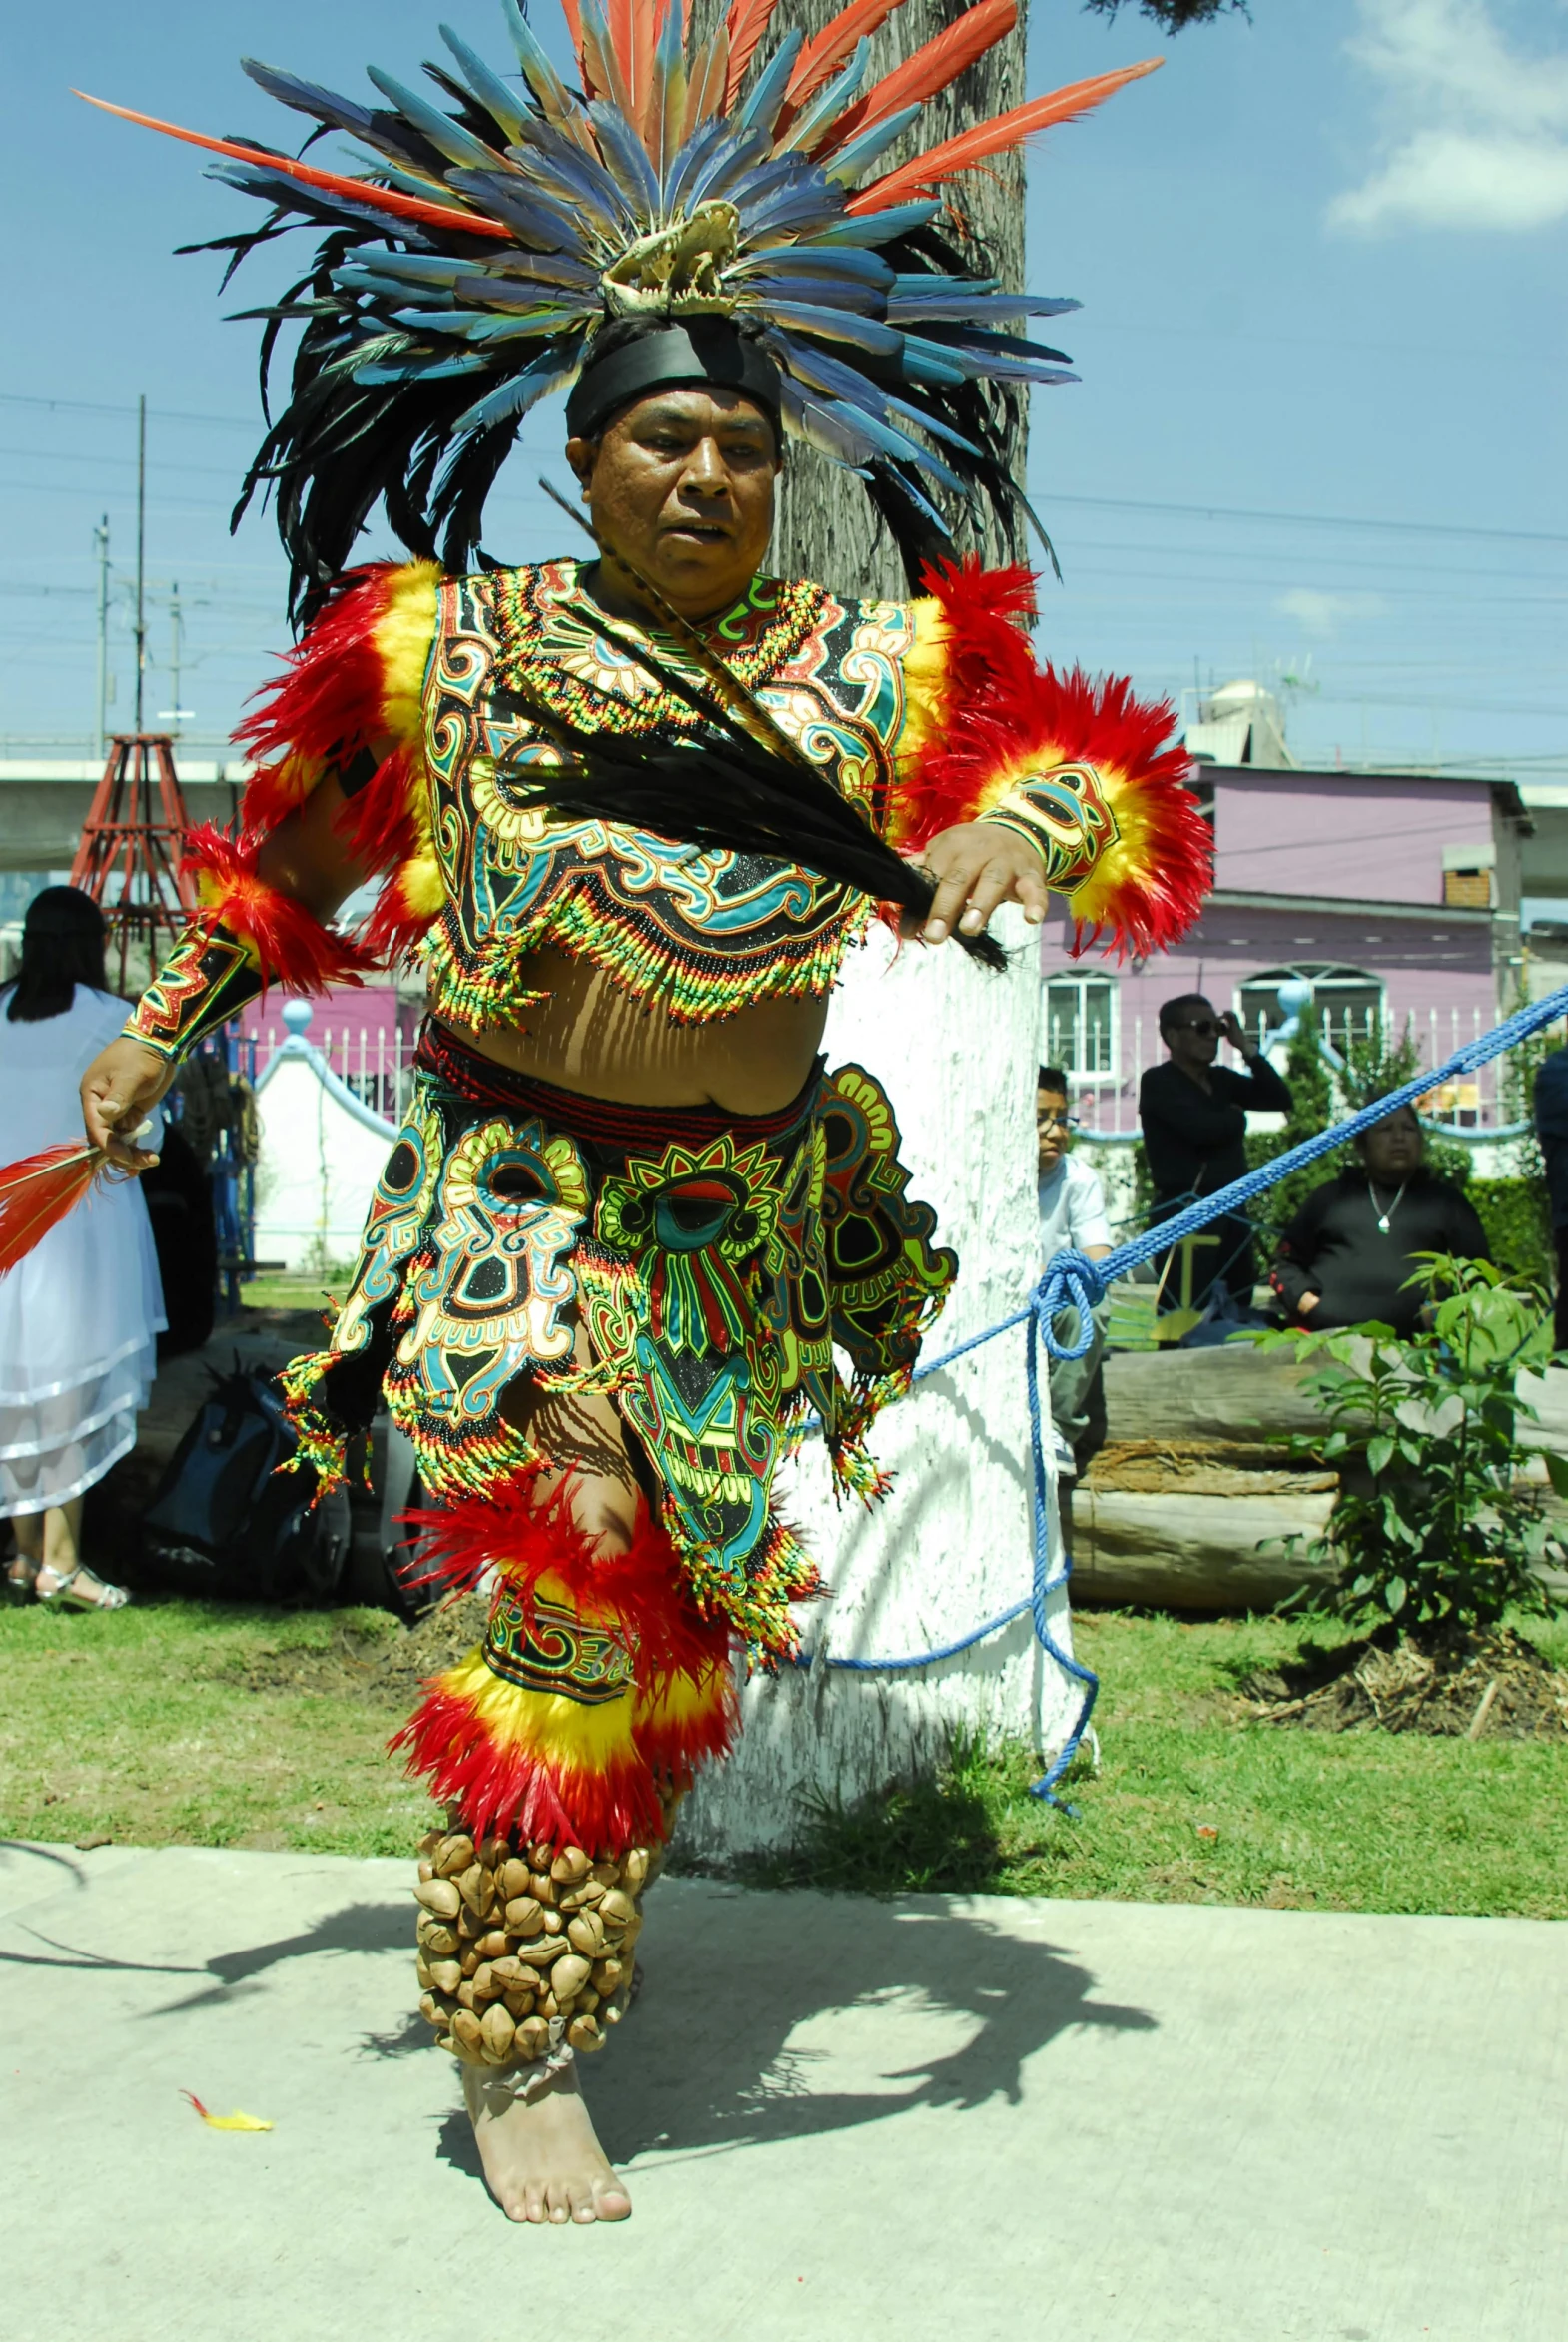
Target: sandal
(21, 1578)
(64, 1595)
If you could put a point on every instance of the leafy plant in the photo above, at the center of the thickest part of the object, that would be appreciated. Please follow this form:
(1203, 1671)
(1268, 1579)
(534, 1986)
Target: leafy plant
(1435, 1526)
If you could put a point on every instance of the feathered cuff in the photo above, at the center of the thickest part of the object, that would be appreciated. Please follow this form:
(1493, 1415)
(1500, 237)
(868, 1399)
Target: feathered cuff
(1084, 770)
(245, 935)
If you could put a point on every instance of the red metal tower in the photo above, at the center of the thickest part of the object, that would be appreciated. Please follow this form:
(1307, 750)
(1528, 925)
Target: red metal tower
(124, 835)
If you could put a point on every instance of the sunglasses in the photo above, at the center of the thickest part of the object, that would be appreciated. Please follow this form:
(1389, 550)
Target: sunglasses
(1204, 1024)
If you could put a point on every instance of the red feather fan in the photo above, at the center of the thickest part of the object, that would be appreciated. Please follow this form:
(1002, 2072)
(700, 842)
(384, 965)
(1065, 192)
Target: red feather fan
(37, 1192)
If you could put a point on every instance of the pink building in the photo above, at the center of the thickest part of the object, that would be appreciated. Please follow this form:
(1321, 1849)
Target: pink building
(1395, 896)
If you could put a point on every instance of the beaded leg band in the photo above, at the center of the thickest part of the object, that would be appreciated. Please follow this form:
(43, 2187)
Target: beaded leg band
(526, 1949)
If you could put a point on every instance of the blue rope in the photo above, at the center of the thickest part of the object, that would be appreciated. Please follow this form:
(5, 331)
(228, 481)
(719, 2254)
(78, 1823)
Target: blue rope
(1073, 1281)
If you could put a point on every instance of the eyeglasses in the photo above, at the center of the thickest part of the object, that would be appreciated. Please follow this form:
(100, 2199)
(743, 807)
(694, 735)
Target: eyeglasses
(1054, 1122)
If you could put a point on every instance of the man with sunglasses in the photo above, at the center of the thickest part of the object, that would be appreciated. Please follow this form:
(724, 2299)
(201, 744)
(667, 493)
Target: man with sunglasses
(1072, 1215)
(1193, 1115)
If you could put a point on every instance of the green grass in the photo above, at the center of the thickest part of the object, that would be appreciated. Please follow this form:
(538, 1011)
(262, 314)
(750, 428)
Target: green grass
(1363, 1820)
(148, 1725)
(142, 1724)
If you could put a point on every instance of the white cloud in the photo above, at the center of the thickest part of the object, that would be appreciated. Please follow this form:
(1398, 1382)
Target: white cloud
(1477, 131)
(1325, 613)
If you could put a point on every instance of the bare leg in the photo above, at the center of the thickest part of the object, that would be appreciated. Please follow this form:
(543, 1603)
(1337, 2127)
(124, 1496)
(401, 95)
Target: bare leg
(543, 2158)
(61, 1547)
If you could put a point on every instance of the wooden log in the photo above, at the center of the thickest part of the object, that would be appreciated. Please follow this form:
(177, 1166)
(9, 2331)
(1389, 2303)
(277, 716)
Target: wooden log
(1227, 1393)
(1181, 1552)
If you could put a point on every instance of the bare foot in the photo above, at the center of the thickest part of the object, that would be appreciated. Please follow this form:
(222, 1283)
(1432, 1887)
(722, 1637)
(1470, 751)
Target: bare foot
(543, 2162)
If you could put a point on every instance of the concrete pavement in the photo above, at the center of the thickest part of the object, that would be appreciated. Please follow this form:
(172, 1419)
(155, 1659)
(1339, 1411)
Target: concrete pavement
(939, 2120)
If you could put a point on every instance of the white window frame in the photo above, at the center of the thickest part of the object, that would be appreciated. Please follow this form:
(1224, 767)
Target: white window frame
(1081, 1078)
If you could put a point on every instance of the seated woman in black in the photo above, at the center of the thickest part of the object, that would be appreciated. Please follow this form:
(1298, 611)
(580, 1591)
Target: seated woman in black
(1347, 1256)
(1193, 1115)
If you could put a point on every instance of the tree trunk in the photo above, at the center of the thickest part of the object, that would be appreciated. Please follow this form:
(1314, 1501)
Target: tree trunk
(826, 526)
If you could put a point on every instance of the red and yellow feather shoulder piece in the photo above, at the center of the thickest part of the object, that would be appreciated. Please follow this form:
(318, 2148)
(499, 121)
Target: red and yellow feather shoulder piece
(1086, 769)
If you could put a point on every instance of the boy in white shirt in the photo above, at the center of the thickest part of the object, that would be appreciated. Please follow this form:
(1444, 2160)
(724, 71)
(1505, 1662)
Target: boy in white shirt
(1072, 1216)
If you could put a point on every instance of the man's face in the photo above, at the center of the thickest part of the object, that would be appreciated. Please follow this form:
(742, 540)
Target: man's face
(1051, 1128)
(683, 481)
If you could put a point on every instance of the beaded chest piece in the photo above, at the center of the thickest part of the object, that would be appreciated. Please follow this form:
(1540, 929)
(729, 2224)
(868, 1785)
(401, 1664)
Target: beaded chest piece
(700, 931)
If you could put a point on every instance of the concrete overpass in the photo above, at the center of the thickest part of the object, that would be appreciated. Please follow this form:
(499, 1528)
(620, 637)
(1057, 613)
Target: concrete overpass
(44, 803)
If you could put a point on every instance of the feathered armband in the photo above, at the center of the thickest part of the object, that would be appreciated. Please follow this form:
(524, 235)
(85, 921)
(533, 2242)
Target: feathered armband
(1083, 769)
(246, 936)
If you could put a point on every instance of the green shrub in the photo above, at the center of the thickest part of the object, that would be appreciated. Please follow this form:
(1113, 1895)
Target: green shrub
(1516, 1215)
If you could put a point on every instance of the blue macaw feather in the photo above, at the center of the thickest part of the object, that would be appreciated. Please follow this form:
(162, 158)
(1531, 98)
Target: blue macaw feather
(493, 93)
(515, 397)
(689, 160)
(668, 100)
(800, 210)
(862, 151)
(542, 78)
(626, 159)
(542, 223)
(729, 163)
(748, 183)
(925, 281)
(846, 383)
(550, 154)
(307, 97)
(413, 267)
(829, 103)
(806, 420)
(985, 352)
(447, 137)
(315, 202)
(763, 106)
(964, 306)
(788, 260)
(840, 324)
(881, 226)
(484, 326)
(432, 368)
(928, 362)
(885, 441)
(761, 291)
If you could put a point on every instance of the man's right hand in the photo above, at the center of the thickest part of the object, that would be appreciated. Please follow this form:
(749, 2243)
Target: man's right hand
(119, 1091)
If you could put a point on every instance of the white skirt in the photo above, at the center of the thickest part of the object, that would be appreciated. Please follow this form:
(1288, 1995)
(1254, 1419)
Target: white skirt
(78, 1324)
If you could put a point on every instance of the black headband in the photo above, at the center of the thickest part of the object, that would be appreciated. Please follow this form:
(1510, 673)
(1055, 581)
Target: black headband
(708, 350)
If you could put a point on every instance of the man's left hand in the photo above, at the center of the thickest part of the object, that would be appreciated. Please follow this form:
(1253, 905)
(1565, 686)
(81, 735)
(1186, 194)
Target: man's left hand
(977, 864)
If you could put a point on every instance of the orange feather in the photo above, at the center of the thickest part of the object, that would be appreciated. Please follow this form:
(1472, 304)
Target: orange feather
(746, 22)
(935, 63)
(705, 90)
(37, 1192)
(573, 12)
(380, 199)
(993, 138)
(833, 47)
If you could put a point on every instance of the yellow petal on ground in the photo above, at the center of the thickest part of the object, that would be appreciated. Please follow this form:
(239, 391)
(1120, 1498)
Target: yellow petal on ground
(225, 2122)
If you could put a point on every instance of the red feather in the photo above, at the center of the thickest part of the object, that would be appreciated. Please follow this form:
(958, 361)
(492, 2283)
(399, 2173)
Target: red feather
(380, 199)
(327, 704)
(833, 47)
(927, 171)
(37, 1192)
(508, 1766)
(935, 63)
(291, 942)
(746, 23)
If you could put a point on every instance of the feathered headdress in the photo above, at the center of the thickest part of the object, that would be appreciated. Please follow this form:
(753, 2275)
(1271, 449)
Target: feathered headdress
(466, 273)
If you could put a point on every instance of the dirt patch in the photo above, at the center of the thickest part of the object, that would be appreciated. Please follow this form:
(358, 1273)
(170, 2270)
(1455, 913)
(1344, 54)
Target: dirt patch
(387, 1662)
(1486, 1687)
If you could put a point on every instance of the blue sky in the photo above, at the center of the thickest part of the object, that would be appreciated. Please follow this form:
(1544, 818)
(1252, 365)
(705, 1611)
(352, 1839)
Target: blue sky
(1319, 432)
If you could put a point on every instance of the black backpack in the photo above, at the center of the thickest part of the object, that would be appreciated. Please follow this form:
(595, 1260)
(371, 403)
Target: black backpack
(224, 1522)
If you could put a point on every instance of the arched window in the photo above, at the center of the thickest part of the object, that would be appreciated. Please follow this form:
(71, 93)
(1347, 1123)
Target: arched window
(1350, 1001)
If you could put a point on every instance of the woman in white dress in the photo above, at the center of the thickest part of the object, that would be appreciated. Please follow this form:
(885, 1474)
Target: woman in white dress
(80, 1316)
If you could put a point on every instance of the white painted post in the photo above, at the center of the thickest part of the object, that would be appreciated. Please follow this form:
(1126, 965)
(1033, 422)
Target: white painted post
(952, 1544)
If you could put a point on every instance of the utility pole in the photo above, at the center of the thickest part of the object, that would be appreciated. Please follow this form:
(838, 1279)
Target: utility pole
(174, 651)
(141, 551)
(101, 541)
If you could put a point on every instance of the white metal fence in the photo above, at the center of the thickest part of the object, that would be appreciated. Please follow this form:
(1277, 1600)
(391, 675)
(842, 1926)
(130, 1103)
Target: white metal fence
(378, 1067)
